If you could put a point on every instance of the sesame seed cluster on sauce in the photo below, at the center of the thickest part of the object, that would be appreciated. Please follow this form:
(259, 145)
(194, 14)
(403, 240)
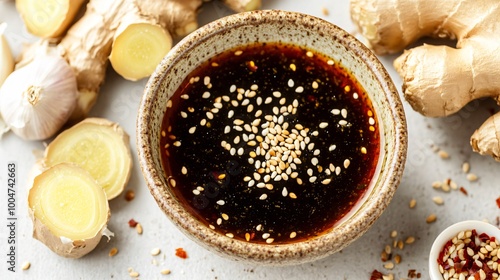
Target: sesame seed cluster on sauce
(269, 143)
(470, 256)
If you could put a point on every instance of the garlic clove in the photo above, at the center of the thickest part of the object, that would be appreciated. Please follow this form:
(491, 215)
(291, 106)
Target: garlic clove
(37, 99)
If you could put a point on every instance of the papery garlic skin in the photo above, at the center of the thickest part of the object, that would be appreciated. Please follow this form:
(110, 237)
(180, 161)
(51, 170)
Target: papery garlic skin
(37, 99)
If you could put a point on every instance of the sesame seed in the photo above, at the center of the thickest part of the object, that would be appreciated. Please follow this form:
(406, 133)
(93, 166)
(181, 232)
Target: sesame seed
(343, 112)
(443, 154)
(465, 167)
(323, 125)
(413, 203)
(263, 196)
(431, 218)
(315, 85)
(225, 216)
(230, 235)
(309, 54)
(26, 266)
(165, 271)
(299, 89)
(410, 240)
(291, 83)
(221, 202)
(284, 192)
(155, 251)
(438, 200)
(471, 177)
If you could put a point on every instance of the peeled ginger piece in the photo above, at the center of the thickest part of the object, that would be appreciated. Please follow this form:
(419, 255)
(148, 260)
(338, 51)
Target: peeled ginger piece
(69, 210)
(48, 18)
(138, 49)
(99, 146)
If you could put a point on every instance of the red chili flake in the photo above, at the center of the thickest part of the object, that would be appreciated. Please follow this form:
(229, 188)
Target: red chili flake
(498, 202)
(376, 275)
(132, 223)
(464, 191)
(181, 253)
(251, 66)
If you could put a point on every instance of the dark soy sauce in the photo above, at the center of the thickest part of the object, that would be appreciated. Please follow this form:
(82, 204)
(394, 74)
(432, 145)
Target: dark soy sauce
(270, 143)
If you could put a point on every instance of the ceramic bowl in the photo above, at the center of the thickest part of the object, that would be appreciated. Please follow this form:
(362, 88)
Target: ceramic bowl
(448, 234)
(288, 27)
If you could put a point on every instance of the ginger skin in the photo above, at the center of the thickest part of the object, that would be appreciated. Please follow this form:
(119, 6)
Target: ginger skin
(88, 43)
(439, 80)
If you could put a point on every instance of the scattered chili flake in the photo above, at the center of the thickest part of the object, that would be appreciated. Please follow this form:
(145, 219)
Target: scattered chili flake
(412, 273)
(179, 252)
(132, 223)
(129, 195)
(464, 191)
(251, 66)
(498, 202)
(376, 275)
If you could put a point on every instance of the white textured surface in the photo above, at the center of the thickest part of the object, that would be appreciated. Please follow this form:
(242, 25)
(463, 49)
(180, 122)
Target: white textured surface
(119, 101)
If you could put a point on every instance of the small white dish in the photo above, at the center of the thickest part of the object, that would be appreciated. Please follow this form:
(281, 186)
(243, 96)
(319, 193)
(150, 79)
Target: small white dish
(452, 231)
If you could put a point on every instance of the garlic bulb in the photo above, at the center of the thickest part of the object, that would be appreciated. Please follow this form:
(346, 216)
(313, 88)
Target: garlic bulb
(37, 99)
(6, 59)
(6, 67)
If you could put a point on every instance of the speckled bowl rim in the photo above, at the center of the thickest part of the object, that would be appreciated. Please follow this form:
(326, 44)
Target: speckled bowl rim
(275, 254)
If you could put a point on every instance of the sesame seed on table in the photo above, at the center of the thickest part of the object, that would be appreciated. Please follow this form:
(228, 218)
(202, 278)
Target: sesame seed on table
(444, 182)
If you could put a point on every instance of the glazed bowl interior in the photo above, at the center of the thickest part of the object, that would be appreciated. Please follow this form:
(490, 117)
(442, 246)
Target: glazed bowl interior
(284, 27)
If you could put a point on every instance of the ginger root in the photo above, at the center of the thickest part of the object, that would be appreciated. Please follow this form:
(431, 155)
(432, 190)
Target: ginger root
(439, 80)
(69, 210)
(49, 18)
(100, 147)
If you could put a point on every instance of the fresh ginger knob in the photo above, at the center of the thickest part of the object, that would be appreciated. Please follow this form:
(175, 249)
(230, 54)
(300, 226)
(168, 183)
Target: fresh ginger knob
(438, 80)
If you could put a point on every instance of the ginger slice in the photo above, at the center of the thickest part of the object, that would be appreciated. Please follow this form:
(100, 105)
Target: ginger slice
(243, 5)
(138, 49)
(49, 18)
(69, 210)
(99, 146)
